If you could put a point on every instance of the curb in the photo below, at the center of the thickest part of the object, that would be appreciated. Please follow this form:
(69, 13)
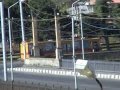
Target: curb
(64, 73)
(108, 76)
(46, 71)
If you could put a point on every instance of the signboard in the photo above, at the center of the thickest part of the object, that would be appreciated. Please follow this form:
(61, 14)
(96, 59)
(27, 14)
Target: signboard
(81, 64)
(84, 69)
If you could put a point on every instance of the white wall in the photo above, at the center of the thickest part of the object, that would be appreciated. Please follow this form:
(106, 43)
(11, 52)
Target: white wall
(86, 9)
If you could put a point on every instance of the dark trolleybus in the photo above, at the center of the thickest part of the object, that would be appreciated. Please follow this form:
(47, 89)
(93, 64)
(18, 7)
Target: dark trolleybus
(47, 48)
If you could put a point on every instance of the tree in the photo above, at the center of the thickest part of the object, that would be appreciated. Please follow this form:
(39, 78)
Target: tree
(116, 14)
(42, 10)
(62, 5)
(102, 9)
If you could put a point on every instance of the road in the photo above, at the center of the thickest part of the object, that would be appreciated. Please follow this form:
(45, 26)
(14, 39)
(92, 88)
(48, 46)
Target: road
(83, 83)
(68, 64)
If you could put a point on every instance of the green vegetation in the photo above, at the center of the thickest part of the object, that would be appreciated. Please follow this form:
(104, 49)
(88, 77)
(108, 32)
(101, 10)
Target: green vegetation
(106, 9)
(43, 11)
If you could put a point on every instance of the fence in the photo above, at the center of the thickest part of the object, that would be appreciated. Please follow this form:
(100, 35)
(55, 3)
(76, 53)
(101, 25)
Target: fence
(96, 65)
(105, 65)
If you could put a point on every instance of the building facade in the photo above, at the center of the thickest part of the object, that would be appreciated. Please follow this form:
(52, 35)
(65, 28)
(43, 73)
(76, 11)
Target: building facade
(85, 7)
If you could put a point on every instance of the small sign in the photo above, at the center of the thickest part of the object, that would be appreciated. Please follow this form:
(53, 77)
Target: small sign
(81, 64)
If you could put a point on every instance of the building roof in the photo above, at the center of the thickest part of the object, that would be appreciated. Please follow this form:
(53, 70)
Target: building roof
(92, 2)
(116, 1)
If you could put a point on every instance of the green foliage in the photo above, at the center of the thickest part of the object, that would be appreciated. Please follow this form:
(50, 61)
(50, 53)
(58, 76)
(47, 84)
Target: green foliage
(41, 9)
(62, 5)
(14, 10)
(116, 10)
(116, 14)
(9, 2)
(105, 8)
(101, 7)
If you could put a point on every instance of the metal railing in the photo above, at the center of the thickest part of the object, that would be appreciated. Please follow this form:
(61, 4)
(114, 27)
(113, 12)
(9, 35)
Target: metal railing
(96, 65)
(105, 65)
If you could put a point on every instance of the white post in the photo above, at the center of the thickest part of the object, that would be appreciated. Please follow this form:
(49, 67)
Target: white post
(58, 39)
(73, 45)
(36, 52)
(82, 38)
(22, 26)
(10, 40)
(3, 40)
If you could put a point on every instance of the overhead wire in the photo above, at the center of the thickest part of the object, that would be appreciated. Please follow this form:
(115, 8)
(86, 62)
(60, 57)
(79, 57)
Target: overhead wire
(100, 27)
(102, 18)
(86, 23)
(113, 35)
(51, 19)
(60, 26)
(20, 25)
(37, 10)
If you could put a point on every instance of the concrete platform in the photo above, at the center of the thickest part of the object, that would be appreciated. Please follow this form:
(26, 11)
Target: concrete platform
(42, 62)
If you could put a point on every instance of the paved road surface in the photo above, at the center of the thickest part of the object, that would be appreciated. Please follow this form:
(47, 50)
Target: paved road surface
(83, 83)
(89, 84)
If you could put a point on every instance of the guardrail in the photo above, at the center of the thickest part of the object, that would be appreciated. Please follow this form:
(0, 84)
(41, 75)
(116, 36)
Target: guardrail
(15, 56)
(15, 64)
(105, 65)
(113, 46)
(96, 65)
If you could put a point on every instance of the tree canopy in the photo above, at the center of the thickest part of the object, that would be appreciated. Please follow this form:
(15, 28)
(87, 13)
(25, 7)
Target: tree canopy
(44, 9)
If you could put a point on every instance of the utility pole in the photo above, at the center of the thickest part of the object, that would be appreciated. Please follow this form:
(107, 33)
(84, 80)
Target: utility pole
(82, 36)
(35, 36)
(3, 40)
(12, 29)
(58, 39)
(78, 18)
(22, 27)
(10, 39)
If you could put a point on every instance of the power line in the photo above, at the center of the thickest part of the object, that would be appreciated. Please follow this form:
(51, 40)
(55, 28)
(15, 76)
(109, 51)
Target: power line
(20, 25)
(37, 10)
(113, 35)
(18, 19)
(101, 18)
(100, 27)
(51, 19)
(47, 28)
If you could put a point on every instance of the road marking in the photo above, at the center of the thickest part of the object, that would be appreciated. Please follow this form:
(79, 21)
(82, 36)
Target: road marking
(63, 72)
